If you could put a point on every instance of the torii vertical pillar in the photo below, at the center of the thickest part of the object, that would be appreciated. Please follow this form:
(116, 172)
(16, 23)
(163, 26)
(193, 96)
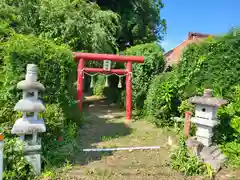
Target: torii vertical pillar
(80, 76)
(129, 91)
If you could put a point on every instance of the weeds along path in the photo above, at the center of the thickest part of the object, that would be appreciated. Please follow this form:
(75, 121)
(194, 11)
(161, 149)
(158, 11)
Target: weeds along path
(104, 127)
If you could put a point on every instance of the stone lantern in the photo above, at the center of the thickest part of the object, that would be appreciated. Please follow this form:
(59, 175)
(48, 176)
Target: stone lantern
(30, 124)
(206, 115)
(206, 107)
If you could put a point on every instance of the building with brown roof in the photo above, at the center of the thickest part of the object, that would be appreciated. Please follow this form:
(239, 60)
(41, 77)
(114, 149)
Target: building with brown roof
(173, 56)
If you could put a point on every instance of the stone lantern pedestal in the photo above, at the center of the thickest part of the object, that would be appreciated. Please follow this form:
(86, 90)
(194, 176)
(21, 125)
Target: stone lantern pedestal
(30, 124)
(205, 119)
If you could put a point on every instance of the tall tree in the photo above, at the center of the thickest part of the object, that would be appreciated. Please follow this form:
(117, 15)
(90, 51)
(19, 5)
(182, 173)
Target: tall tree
(140, 20)
(92, 25)
(78, 23)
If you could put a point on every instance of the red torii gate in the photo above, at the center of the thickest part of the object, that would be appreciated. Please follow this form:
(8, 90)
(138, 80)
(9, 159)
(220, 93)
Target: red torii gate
(82, 57)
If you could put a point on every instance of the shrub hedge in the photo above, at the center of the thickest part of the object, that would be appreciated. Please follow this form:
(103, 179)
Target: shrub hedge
(215, 64)
(212, 64)
(161, 101)
(227, 134)
(57, 72)
(56, 69)
(143, 73)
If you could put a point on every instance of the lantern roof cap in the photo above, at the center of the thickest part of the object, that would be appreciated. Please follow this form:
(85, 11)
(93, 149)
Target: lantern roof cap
(28, 125)
(29, 105)
(207, 99)
(29, 85)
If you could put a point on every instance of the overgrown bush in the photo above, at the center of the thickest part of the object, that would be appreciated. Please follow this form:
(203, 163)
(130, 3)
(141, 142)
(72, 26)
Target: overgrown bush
(99, 85)
(15, 165)
(54, 119)
(185, 106)
(232, 151)
(161, 101)
(143, 73)
(57, 151)
(56, 71)
(214, 64)
(56, 68)
(79, 24)
(227, 134)
(183, 161)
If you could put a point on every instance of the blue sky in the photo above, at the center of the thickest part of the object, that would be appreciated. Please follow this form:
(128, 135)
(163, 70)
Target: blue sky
(203, 16)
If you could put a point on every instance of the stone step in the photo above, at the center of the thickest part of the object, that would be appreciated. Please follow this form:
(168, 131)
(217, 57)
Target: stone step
(206, 153)
(216, 153)
(209, 150)
(215, 164)
(206, 157)
(212, 149)
(222, 158)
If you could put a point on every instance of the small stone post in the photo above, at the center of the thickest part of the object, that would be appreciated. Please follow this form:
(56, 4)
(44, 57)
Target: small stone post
(205, 119)
(1, 154)
(30, 124)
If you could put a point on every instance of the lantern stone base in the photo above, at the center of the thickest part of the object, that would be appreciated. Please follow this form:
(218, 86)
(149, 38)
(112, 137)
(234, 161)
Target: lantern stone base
(35, 161)
(211, 155)
(32, 153)
(206, 141)
(204, 130)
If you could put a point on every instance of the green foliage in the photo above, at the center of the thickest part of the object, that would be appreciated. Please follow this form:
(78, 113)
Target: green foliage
(184, 107)
(12, 18)
(122, 99)
(229, 129)
(57, 72)
(54, 119)
(58, 145)
(80, 24)
(55, 67)
(232, 151)
(212, 64)
(140, 20)
(99, 85)
(7, 116)
(57, 150)
(143, 73)
(235, 123)
(83, 26)
(228, 132)
(183, 161)
(7, 15)
(15, 165)
(161, 101)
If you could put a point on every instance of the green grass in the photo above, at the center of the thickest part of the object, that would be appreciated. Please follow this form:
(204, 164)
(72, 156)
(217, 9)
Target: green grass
(123, 165)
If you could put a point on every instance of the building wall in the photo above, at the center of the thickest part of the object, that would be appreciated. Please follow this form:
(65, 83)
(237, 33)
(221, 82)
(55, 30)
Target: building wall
(174, 56)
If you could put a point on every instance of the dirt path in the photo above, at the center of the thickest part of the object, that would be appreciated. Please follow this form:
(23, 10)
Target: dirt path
(105, 127)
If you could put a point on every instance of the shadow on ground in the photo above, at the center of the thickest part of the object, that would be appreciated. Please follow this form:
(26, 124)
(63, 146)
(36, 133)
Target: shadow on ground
(99, 126)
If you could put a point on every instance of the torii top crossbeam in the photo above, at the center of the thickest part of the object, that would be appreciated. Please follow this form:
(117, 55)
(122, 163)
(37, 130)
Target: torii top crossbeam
(112, 57)
(82, 57)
